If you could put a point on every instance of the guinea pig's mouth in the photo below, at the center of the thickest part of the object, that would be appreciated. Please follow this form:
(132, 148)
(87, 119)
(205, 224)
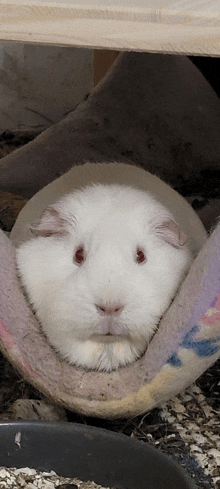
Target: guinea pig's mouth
(108, 337)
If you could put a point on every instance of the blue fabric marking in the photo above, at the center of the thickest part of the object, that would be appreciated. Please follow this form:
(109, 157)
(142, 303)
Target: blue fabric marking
(174, 360)
(188, 338)
(203, 348)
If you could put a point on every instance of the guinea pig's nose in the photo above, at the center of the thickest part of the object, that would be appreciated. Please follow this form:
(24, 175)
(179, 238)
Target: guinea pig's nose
(109, 308)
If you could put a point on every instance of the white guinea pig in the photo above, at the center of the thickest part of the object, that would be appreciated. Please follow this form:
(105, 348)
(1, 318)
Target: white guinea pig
(100, 272)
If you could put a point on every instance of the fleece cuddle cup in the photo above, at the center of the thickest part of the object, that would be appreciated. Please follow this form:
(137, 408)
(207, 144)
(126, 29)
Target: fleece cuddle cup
(186, 343)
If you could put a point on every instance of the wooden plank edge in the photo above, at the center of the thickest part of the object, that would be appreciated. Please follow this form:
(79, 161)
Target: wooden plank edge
(119, 28)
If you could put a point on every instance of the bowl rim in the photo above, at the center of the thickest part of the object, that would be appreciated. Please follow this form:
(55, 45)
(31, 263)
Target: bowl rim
(89, 453)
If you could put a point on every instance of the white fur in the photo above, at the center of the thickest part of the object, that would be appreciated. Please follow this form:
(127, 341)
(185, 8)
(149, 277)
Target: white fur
(110, 222)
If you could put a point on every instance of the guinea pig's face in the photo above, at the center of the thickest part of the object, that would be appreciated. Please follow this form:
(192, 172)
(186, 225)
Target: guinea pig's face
(104, 265)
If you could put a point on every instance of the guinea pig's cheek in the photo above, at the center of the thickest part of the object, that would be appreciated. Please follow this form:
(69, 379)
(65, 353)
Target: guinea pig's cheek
(66, 310)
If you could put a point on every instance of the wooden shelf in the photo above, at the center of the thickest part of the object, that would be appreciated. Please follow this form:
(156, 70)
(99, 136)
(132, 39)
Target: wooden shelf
(184, 27)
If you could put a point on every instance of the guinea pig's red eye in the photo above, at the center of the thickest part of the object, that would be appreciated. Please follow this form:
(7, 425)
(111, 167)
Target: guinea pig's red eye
(79, 256)
(140, 256)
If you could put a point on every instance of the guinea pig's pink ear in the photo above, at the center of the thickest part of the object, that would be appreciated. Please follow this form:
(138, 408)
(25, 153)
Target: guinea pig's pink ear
(171, 233)
(52, 222)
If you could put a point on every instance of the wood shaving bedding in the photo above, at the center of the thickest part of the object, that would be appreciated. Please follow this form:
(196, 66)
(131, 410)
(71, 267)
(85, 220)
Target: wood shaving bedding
(27, 478)
(198, 426)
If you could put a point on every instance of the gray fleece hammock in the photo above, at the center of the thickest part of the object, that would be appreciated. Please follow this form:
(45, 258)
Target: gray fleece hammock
(165, 118)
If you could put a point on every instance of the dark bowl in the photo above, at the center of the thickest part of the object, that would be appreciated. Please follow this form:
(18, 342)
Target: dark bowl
(89, 453)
